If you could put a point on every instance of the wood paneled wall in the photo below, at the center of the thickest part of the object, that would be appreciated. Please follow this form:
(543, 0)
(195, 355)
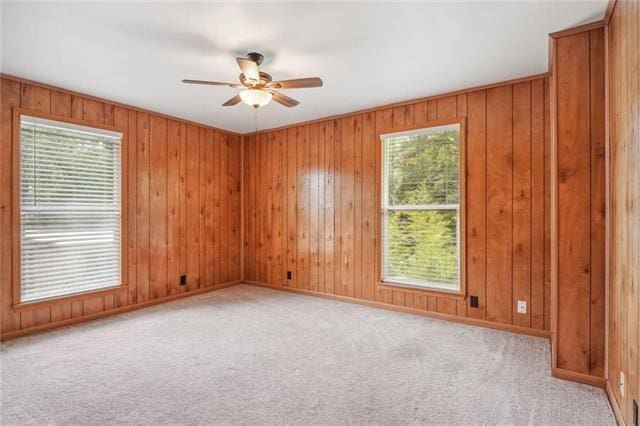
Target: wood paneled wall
(578, 147)
(181, 203)
(310, 204)
(623, 32)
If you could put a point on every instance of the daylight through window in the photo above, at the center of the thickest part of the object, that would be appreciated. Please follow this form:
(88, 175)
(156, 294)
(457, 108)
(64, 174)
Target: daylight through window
(69, 209)
(421, 208)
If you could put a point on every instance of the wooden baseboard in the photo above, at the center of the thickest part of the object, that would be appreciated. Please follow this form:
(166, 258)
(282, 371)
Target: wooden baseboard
(586, 379)
(123, 309)
(614, 405)
(448, 317)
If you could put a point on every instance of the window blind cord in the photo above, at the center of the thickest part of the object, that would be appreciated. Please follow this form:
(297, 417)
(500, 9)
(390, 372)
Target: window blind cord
(35, 164)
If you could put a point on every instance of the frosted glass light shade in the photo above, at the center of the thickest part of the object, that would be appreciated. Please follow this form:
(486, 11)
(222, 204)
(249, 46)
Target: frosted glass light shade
(255, 98)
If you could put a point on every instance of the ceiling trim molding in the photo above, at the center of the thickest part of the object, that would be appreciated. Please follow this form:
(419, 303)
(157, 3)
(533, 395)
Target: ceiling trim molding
(108, 101)
(325, 118)
(408, 102)
(579, 29)
(610, 8)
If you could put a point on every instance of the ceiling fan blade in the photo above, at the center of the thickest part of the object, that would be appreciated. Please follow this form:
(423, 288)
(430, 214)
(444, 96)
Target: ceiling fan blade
(249, 69)
(211, 83)
(233, 101)
(283, 99)
(297, 83)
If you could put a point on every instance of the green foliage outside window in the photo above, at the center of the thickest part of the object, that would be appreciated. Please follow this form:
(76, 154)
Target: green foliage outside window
(422, 177)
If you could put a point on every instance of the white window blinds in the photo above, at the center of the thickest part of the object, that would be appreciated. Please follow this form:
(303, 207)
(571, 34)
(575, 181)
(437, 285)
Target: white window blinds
(69, 209)
(421, 192)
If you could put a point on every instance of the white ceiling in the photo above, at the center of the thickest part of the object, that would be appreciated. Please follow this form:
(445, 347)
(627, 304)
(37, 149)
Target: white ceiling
(368, 54)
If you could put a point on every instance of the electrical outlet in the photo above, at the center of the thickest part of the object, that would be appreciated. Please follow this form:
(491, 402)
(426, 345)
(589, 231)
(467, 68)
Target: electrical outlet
(473, 301)
(622, 383)
(183, 280)
(288, 275)
(522, 307)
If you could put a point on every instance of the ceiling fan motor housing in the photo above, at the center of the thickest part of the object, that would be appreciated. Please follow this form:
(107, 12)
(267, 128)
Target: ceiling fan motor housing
(265, 79)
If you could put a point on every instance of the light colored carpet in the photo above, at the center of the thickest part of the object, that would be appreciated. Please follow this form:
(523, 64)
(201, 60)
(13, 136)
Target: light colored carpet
(253, 355)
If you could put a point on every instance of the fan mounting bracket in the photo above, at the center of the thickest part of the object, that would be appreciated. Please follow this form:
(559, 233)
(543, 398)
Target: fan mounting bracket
(255, 57)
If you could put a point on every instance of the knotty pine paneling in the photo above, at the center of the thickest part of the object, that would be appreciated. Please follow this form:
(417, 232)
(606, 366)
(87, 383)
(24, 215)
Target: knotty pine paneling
(310, 203)
(180, 196)
(579, 215)
(623, 36)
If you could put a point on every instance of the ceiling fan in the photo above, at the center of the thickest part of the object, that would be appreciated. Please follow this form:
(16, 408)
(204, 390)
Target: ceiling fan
(258, 86)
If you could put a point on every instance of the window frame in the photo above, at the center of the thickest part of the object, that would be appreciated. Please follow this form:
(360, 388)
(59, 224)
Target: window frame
(383, 284)
(18, 304)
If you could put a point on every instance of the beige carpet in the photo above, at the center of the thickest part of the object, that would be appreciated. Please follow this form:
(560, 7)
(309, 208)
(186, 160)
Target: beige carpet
(253, 355)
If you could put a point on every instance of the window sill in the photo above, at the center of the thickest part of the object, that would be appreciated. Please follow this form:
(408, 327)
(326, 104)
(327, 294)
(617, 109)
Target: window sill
(425, 291)
(27, 306)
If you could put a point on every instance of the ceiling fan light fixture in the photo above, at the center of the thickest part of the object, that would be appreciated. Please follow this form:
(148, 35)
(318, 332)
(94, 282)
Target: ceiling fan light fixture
(258, 86)
(255, 97)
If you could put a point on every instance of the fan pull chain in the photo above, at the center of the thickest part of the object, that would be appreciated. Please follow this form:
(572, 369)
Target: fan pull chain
(255, 119)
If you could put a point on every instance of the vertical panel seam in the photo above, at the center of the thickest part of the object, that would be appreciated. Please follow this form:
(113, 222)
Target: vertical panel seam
(486, 200)
(513, 162)
(530, 313)
(590, 200)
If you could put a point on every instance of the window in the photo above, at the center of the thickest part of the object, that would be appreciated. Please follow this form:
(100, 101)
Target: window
(69, 209)
(421, 208)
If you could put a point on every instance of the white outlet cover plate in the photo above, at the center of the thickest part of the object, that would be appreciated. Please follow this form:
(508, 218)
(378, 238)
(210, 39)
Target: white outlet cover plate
(522, 307)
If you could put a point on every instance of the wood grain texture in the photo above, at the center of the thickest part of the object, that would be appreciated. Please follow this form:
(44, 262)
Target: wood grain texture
(10, 98)
(623, 88)
(155, 214)
(538, 202)
(158, 205)
(597, 201)
(476, 196)
(173, 207)
(121, 122)
(193, 207)
(499, 204)
(579, 184)
(142, 212)
(327, 209)
(522, 208)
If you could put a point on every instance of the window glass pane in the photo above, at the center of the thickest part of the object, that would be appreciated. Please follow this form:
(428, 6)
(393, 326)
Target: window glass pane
(422, 248)
(69, 209)
(421, 185)
(423, 168)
